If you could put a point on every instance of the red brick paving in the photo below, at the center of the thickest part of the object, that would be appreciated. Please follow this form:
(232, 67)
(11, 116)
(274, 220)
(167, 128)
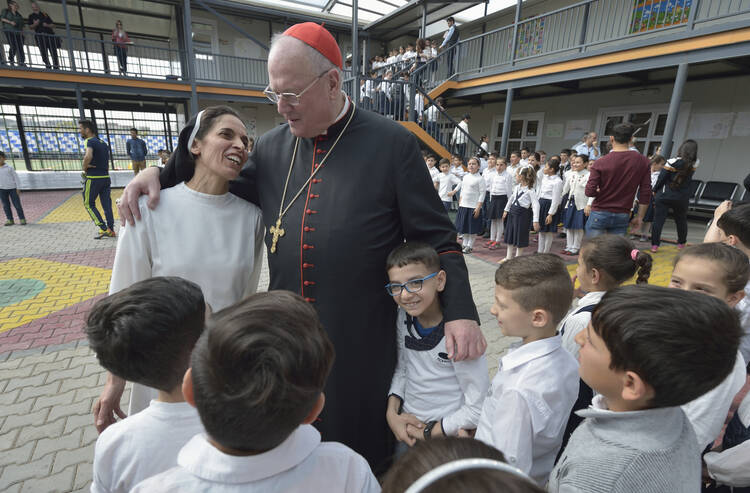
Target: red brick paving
(37, 204)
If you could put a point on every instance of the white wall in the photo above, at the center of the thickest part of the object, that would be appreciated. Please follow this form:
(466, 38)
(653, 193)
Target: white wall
(722, 159)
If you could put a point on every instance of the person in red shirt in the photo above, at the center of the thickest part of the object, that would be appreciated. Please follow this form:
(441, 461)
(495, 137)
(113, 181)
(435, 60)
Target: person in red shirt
(613, 182)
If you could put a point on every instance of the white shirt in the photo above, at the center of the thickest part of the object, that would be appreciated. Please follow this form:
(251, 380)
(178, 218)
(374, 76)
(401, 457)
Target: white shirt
(575, 187)
(446, 182)
(502, 183)
(551, 188)
(472, 190)
(458, 171)
(485, 146)
(432, 113)
(434, 172)
(301, 463)
(708, 412)
(732, 466)
(575, 322)
(408, 55)
(527, 407)
(488, 174)
(513, 170)
(744, 308)
(458, 136)
(528, 199)
(8, 178)
(434, 388)
(144, 444)
(216, 241)
(592, 152)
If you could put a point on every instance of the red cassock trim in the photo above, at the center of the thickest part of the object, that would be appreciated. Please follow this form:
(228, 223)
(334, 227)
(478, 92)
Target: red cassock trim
(302, 229)
(451, 251)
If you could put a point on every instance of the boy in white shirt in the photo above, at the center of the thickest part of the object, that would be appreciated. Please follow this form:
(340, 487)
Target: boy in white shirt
(430, 161)
(256, 377)
(136, 338)
(527, 407)
(430, 395)
(444, 183)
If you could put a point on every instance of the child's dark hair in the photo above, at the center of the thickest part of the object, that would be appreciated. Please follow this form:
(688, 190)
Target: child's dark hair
(554, 163)
(734, 263)
(259, 369)
(583, 157)
(682, 352)
(538, 281)
(736, 221)
(413, 252)
(565, 151)
(617, 259)
(657, 159)
(443, 161)
(527, 176)
(425, 456)
(145, 332)
(623, 132)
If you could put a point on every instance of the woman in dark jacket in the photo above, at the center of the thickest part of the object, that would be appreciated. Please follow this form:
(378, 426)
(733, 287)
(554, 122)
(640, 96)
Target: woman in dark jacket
(672, 191)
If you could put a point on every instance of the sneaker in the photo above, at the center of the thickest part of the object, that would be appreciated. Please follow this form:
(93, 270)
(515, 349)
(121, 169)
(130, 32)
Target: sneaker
(102, 234)
(9, 222)
(654, 248)
(467, 250)
(110, 233)
(680, 246)
(23, 222)
(493, 245)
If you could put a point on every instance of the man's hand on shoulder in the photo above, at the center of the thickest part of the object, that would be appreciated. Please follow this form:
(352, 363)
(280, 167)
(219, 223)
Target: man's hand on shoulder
(464, 340)
(147, 182)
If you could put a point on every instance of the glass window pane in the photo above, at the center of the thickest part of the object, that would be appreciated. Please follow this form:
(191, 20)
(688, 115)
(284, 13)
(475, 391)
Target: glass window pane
(500, 130)
(532, 127)
(530, 145)
(516, 128)
(661, 122)
(652, 147)
(514, 145)
(641, 122)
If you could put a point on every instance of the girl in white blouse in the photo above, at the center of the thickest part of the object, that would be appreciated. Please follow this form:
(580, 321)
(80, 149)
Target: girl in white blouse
(469, 217)
(574, 217)
(550, 195)
(521, 210)
(500, 189)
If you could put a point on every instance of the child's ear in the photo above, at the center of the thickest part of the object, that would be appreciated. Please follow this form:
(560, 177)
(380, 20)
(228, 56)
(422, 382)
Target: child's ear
(540, 318)
(441, 280)
(315, 411)
(635, 389)
(187, 387)
(732, 240)
(596, 276)
(735, 298)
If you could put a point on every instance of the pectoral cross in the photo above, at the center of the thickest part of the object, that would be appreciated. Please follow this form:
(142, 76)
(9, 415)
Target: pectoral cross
(277, 233)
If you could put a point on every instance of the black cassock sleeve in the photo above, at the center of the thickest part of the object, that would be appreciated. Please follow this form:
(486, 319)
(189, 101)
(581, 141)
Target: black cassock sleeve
(423, 218)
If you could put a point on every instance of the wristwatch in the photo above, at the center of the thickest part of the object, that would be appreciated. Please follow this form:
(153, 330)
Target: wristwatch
(428, 429)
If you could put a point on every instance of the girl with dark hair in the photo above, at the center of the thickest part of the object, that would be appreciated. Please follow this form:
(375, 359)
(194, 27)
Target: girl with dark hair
(674, 179)
(199, 232)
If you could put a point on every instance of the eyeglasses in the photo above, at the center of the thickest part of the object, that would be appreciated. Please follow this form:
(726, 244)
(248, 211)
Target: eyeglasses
(395, 289)
(289, 97)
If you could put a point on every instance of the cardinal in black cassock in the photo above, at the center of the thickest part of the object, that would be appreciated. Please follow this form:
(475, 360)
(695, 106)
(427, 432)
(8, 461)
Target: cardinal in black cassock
(370, 191)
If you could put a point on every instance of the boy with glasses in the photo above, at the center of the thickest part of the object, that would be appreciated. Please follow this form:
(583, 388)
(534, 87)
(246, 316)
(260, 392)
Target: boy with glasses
(430, 395)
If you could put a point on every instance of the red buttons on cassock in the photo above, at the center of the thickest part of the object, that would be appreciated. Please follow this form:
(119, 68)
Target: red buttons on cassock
(308, 229)
(305, 265)
(314, 195)
(310, 300)
(320, 151)
(307, 247)
(317, 180)
(310, 211)
(309, 283)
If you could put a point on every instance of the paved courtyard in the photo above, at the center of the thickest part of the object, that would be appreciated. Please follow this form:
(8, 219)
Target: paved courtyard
(51, 272)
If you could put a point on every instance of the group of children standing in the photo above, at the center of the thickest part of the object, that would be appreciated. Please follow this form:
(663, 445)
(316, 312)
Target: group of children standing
(529, 193)
(620, 393)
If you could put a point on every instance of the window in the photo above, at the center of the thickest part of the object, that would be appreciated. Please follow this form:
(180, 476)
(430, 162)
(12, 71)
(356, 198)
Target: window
(524, 132)
(649, 122)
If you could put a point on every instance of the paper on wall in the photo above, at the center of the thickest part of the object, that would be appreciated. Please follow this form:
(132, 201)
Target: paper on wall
(710, 125)
(741, 125)
(574, 129)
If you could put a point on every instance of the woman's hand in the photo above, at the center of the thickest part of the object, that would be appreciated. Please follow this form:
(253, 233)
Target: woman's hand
(587, 210)
(477, 211)
(505, 215)
(536, 226)
(107, 406)
(549, 219)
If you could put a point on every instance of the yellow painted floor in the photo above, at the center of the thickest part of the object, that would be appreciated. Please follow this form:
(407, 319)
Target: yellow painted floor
(72, 210)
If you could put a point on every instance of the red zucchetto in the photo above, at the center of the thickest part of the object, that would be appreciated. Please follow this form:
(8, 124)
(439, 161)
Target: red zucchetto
(317, 37)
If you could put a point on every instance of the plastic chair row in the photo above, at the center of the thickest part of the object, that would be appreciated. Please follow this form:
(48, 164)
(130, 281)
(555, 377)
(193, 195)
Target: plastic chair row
(705, 196)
